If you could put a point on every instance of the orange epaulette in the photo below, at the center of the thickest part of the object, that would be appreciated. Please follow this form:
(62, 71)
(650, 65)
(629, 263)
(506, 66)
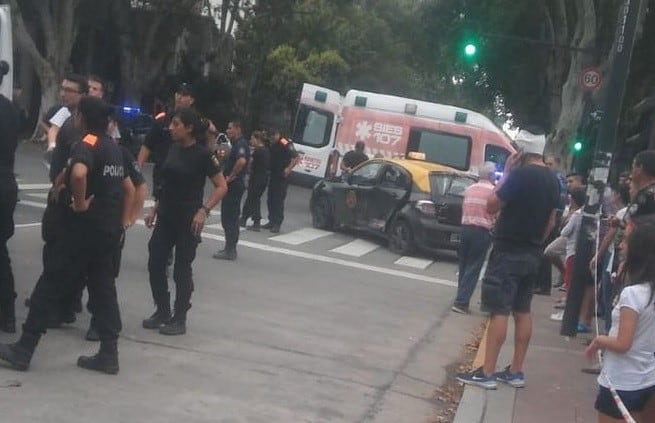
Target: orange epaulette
(284, 141)
(90, 139)
(160, 116)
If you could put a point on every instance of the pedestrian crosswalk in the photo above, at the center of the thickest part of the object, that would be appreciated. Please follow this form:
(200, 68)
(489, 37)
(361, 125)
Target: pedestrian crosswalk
(304, 238)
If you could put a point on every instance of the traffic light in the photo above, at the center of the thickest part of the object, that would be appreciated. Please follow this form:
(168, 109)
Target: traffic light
(470, 50)
(577, 146)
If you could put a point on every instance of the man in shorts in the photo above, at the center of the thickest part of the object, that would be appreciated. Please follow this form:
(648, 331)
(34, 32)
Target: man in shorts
(527, 197)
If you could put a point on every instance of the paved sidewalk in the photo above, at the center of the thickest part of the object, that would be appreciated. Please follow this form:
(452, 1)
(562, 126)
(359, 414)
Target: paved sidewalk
(556, 390)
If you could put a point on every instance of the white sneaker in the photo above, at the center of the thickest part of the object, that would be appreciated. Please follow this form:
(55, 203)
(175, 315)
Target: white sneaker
(557, 317)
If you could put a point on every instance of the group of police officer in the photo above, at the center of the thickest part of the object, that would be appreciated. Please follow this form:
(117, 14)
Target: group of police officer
(98, 192)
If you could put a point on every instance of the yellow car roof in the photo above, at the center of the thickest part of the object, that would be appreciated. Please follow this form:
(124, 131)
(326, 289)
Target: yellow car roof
(421, 170)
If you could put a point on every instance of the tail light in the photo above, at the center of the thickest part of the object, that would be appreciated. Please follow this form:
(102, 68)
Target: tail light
(426, 207)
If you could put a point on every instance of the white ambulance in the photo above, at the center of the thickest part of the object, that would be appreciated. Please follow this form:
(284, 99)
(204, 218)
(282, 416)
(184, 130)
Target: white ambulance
(6, 50)
(328, 125)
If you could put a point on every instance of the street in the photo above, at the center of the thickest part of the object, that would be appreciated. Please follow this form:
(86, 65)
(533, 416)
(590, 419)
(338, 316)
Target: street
(306, 326)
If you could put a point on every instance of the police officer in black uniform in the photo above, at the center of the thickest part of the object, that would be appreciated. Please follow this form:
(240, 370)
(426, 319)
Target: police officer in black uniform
(9, 127)
(283, 159)
(158, 139)
(180, 216)
(99, 189)
(235, 172)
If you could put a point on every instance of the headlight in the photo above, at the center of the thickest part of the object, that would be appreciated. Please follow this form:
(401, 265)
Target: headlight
(426, 207)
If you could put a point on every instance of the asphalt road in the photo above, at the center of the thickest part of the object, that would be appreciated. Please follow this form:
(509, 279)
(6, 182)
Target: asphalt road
(306, 326)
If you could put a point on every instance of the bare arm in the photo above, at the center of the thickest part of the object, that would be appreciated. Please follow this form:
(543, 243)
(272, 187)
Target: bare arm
(219, 191)
(52, 136)
(144, 153)
(78, 187)
(623, 341)
(128, 201)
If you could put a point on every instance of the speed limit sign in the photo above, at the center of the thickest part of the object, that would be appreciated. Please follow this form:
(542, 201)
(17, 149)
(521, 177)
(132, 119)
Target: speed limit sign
(590, 79)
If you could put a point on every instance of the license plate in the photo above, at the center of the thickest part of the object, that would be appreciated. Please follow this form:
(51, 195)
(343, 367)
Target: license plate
(454, 238)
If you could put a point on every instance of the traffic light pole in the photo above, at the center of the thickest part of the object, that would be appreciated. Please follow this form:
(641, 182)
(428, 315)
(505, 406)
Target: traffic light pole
(605, 147)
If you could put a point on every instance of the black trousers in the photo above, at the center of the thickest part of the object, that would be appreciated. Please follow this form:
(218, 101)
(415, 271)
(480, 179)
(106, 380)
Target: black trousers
(277, 192)
(82, 248)
(230, 210)
(8, 198)
(172, 231)
(252, 206)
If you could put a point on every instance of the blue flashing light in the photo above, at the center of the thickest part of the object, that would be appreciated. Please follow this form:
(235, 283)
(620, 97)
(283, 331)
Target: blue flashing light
(131, 110)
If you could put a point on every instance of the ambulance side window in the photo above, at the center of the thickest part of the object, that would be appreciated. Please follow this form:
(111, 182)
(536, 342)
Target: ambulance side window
(496, 154)
(441, 147)
(313, 126)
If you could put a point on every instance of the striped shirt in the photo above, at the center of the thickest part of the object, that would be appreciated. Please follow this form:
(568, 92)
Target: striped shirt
(474, 207)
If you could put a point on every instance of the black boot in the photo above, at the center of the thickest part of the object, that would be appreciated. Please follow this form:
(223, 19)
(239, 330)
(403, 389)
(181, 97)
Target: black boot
(256, 227)
(106, 360)
(161, 316)
(176, 326)
(242, 221)
(226, 254)
(269, 225)
(8, 318)
(19, 354)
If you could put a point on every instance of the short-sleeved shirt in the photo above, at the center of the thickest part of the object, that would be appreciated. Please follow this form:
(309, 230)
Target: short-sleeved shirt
(282, 152)
(158, 141)
(634, 369)
(60, 117)
(8, 136)
(106, 172)
(474, 205)
(259, 167)
(67, 136)
(240, 149)
(184, 173)
(529, 195)
(354, 158)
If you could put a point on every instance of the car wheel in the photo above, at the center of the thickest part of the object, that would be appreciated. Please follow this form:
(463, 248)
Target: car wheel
(322, 214)
(401, 239)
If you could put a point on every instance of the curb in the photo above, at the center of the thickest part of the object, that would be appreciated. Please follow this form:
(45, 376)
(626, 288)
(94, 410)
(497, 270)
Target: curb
(479, 405)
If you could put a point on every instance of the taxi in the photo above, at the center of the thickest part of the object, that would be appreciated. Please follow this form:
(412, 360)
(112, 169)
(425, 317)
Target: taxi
(412, 203)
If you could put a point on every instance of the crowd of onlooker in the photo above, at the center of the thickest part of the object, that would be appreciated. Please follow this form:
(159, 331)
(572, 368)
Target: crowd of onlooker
(516, 230)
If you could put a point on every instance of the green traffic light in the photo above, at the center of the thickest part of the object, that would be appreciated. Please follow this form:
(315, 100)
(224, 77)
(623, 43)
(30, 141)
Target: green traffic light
(470, 49)
(577, 146)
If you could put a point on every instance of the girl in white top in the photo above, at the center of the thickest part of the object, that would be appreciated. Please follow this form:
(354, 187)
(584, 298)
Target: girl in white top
(629, 349)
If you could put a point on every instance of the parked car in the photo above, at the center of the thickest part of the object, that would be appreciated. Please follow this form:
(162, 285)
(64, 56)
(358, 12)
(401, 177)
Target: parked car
(412, 203)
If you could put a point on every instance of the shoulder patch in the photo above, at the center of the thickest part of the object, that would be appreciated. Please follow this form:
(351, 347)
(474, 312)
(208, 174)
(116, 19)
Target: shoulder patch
(90, 139)
(284, 141)
(160, 116)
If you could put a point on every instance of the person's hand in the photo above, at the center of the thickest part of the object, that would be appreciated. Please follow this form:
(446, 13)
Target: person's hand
(149, 219)
(592, 349)
(198, 222)
(80, 206)
(287, 172)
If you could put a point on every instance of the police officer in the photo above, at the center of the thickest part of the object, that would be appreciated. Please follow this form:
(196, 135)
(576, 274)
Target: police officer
(99, 190)
(158, 139)
(283, 159)
(9, 127)
(180, 216)
(235, 172)
(257, 180)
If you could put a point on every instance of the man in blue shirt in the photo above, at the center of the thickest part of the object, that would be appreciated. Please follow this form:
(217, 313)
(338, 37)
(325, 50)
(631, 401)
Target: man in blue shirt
(235, 172)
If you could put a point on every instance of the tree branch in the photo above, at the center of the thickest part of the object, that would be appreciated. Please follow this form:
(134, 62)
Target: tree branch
(41, 66)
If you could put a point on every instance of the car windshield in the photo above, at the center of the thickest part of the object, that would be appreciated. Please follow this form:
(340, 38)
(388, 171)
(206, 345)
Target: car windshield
(449, 184)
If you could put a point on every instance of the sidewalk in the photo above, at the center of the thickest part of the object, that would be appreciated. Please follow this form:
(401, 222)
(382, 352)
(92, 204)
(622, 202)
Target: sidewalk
(556, 390)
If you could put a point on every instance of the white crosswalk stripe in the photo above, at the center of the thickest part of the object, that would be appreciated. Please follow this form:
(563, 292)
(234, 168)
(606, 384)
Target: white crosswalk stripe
(301, 236)
(356, 248)
(28, 187)
(414, 262)
(42, 195)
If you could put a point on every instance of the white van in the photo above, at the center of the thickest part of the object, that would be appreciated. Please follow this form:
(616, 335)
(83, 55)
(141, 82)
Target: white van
(6, 50)
(328, 125)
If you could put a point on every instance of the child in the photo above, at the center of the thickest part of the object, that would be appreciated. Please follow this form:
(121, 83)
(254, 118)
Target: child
(629, 359)
(257, 181)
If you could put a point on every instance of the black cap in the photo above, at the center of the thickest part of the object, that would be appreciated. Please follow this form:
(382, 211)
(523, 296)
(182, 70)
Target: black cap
(185, 89)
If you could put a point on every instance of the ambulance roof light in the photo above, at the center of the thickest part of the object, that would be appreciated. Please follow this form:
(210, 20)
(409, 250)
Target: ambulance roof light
(320, 96)
(410, 108)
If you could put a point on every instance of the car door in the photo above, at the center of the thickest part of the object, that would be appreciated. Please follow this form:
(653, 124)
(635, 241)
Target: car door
(351, 201)
(388, 196)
